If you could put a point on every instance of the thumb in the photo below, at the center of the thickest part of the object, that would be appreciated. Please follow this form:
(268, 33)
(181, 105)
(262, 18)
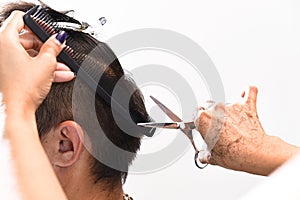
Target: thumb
(251, 97)
(52, 47)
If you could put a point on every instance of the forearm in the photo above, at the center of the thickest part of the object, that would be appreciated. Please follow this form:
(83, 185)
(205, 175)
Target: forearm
(273, 153)
(266, 156)
(35, 176)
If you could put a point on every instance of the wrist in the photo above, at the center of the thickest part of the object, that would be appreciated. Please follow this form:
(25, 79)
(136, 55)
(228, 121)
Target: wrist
(273, 153)
(18, 112)
(18, 108)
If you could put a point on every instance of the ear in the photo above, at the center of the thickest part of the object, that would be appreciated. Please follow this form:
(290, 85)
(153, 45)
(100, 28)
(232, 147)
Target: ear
(67, 144)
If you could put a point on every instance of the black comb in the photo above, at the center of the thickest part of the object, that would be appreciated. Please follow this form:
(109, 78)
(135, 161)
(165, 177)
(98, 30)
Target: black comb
(43, 25)
(38, 20)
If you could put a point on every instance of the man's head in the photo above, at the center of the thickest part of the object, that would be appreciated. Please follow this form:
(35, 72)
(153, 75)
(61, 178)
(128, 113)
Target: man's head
(69, 119)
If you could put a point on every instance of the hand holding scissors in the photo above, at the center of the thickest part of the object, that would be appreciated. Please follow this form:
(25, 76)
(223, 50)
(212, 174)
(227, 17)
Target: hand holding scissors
(186, 127)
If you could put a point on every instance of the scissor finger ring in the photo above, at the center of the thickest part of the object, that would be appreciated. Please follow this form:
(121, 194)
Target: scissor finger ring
(198, 162)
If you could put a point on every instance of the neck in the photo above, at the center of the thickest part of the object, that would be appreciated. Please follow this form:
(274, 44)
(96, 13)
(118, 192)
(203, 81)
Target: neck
(105, 191)
(94, 191)
(79, 184)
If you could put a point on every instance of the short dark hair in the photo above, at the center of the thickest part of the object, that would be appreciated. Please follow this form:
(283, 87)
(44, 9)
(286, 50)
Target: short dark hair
(59, 106)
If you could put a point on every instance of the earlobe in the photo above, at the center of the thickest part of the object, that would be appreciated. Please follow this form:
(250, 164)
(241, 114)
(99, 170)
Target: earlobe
(70, 144)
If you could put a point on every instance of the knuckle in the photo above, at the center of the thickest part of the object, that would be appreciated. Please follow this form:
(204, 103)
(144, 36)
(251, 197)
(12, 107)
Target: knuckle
(237, 107)
(219, 107)
(204, 117)
(17, 14)
(49, 49)
(49, 45)
(48, 58)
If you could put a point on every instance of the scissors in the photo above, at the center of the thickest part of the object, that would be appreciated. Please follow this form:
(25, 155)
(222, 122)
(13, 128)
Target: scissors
(186, 127)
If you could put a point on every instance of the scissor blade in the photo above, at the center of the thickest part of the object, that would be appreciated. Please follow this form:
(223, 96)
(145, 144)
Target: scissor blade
(172, 125)
(166, 110)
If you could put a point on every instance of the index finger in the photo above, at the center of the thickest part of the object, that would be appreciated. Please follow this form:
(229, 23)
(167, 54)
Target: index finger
(14, 23)
(250, 97)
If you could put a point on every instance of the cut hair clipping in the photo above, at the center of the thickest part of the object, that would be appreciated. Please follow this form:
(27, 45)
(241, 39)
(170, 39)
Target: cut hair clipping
(84, 27)
(97, 30)
(73, 26)
(65, 19)
(69, 13)
(102, 21)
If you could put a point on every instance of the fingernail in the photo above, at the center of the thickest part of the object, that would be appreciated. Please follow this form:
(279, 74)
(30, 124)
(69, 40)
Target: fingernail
(61, 36)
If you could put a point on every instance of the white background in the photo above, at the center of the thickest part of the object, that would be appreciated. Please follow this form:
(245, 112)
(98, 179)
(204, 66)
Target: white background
(251, 42)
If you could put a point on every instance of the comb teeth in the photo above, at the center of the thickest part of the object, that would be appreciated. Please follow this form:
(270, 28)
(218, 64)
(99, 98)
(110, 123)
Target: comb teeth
(39, 22)
(48, 27)
(69, 50)
(43, 25)
(42, 15)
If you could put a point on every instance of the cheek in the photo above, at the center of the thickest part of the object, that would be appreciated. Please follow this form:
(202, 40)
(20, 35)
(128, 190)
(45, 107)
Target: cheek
(45, 145)
(48, 148)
